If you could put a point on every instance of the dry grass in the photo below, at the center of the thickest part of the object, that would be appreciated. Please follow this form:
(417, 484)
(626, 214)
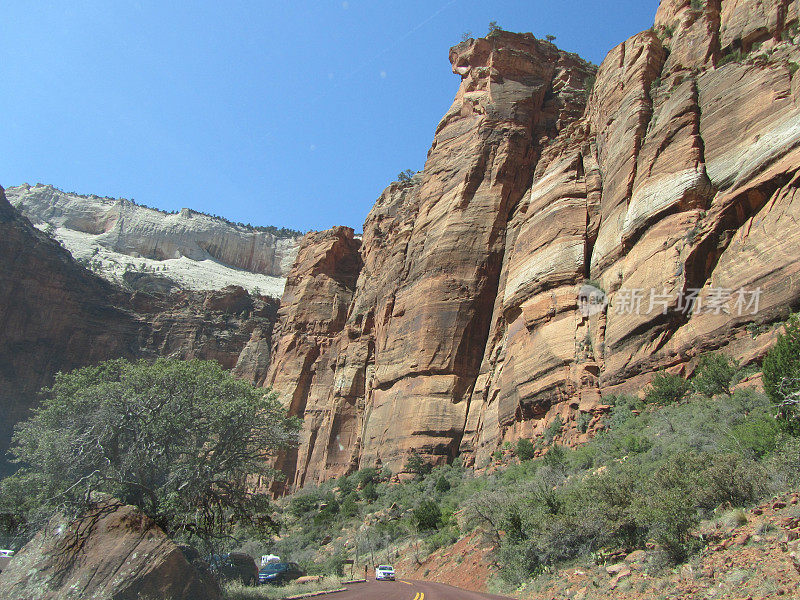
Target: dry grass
(237, 591)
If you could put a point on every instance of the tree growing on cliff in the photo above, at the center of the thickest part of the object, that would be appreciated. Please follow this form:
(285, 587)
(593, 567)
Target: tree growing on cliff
(715, 374)
(183, 440)
(667, 388)
(405, 176)
(781, 371)
(417, 465)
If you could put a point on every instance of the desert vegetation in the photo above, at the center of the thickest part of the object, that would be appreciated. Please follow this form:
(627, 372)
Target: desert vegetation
(182, 440)
(687, 451)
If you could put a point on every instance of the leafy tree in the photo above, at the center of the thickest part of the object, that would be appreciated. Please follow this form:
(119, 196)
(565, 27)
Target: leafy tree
(550, 38)
(405, 176)
(442, 485)
(417, 465)
(553, 429)
(781, 371)
(494, 27)
(367, 476)
(525, 449)
(427, 515)
(184, 441)
(667, 388)
(369, 493)
(715, 373)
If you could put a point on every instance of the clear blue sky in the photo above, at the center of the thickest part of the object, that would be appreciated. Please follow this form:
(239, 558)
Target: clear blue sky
(291, 113)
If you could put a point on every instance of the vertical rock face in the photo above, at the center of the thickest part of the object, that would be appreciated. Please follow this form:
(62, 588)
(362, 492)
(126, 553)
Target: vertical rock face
(679, 177)
(686, 165)
(393, 369)
(54, 316)
(229, 326)
(57, 316)
(313, 313)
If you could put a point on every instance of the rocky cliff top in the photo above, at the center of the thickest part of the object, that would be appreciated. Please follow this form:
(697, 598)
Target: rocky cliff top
(189, 249)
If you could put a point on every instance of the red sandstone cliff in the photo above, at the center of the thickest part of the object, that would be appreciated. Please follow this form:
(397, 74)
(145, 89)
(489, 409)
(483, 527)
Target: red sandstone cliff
(455, 325)
(56, 316)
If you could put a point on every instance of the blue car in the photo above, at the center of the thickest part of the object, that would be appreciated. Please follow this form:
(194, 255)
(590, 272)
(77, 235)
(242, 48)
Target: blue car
(279, 573)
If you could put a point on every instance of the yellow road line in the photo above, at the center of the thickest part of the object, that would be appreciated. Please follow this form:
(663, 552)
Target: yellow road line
(401, 581)
(417, 596)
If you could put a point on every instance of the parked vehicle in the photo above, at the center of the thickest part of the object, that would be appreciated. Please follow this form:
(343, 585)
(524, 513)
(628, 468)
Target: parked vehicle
(384, 573)
(235, 566)
(5, 559)
(278, 573)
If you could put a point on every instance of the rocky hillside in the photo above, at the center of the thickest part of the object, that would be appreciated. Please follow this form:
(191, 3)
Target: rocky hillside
(121, 240)
(56, 315)
(455, 324)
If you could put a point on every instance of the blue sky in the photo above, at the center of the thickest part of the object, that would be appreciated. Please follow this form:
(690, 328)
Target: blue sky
(295, 114)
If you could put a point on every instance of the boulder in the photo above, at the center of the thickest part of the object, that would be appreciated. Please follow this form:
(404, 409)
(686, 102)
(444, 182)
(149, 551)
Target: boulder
(112, 552)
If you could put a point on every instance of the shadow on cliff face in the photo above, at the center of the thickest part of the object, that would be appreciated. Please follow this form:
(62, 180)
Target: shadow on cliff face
(57, 316)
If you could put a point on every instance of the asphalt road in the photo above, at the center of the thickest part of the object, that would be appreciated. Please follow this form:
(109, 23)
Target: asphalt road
(404, 589)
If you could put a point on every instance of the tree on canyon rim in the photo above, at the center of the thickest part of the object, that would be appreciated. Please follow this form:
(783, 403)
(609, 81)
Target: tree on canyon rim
(184, 441)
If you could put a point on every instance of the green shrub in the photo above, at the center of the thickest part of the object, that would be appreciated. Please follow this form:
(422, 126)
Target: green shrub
(715, 373)
(781, 370)
(443, 537)
(369, 492)
(588, 85)
(427, 515)
(366, 476)
(667, 388)
(756, 437)
(442, 485)
(584, 419)
(655, 85)
(731, 56)
(417, 465)
(793, 66)
(348, 507)
(525, 449)
(553, 429)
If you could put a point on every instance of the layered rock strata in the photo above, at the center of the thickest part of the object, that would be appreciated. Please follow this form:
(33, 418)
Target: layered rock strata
(56, 316)
(673, 190)
(192, 249)
(389, 363)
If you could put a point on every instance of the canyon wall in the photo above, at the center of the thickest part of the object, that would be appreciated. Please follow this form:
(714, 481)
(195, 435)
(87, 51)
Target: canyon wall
(455, 324)
(56, 316)
(194, 250)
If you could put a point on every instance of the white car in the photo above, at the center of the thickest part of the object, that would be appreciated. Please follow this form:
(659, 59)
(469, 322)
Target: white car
(384, 573)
